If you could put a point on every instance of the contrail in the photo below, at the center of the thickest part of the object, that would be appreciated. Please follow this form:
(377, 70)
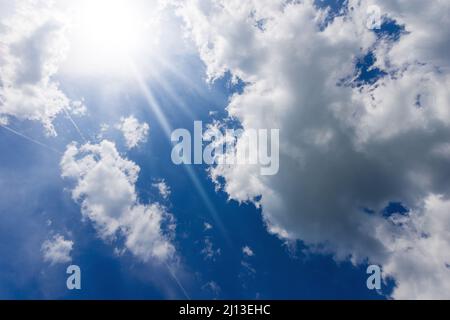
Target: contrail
(77, 128)
(30, 139)
(177, 281)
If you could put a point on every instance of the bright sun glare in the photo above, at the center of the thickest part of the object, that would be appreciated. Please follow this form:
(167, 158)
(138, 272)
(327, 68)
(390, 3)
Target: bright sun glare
(107, 33)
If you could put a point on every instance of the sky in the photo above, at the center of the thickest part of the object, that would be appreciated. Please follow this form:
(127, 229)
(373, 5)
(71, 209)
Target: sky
(91, 92)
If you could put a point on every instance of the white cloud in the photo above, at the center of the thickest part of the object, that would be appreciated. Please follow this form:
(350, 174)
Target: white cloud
(133, 131)
(105, 187)
(207, 226)
(421, 243)
(57, 250)
(3, 121)
(427, 31)
(343, 149)
(32, 46)
(248, 268)
(212, 287)
(247, 251)
(208, 251)
(163, 189)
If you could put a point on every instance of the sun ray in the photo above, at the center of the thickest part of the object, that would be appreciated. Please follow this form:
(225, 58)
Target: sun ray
(156, 108)
(171, 94)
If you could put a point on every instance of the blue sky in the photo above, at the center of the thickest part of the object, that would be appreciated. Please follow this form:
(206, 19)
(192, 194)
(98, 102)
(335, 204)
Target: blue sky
(280, 272)
(301, 249)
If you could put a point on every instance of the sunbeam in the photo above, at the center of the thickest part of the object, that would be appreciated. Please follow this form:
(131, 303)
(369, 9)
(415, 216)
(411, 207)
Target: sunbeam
(162, 119)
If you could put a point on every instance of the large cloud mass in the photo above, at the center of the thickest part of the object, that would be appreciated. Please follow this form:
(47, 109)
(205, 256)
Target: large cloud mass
(347, 149)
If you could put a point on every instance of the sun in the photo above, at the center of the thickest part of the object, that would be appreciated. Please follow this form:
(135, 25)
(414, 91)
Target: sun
(107, 34)
(110, 27)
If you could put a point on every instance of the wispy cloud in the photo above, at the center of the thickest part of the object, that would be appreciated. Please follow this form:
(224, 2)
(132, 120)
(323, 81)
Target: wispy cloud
(133, 131)
(57, 250)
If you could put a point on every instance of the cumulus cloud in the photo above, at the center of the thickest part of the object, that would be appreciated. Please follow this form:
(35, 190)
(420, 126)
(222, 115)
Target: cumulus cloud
(247, 251)
(346, 149)
(57, 250)
(133, 131)
(427, 31)
(32, 46)
(105, 187)
(420, 241)
(207, 226)
(163, 188)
